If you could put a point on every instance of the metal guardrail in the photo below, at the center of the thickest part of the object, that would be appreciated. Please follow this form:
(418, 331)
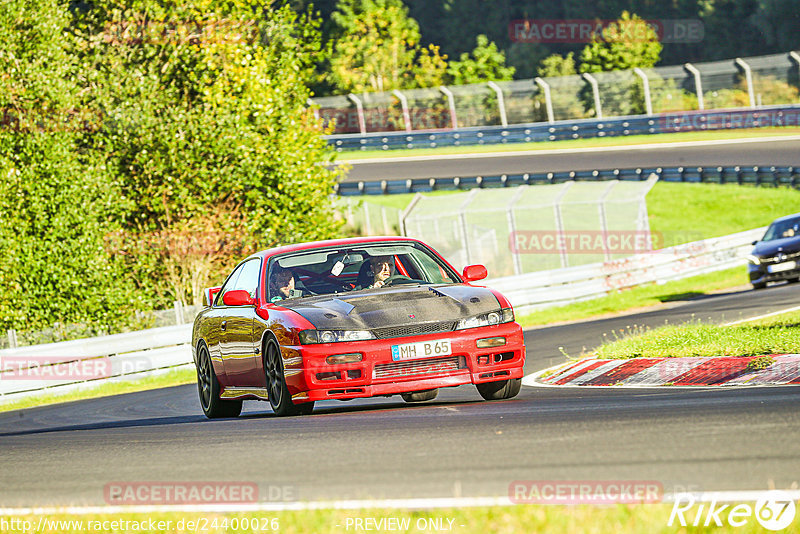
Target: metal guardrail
(750, 175)
(767, 116)
(136, 355)
(84, 363)
(541, 289)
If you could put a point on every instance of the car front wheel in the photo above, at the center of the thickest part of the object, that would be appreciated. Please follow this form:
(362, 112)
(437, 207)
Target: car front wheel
(278, 393)
(208, 389)
(504, 389)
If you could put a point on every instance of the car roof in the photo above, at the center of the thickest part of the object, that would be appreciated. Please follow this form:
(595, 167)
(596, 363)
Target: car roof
(786, 218)
(331, 243)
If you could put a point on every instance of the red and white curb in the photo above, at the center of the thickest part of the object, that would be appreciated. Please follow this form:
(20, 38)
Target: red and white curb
(645, 372)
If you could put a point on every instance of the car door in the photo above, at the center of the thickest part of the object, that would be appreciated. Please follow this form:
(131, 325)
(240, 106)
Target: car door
(237, 347)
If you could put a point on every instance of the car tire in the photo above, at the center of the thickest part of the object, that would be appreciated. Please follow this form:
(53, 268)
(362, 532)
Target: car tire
(504, 389)
(208, 388)
(793, 280)
(420, 396)
(279, 397)
(760, 285)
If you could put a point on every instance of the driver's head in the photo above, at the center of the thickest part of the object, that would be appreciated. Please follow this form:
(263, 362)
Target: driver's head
(382, 267)
(283, 282)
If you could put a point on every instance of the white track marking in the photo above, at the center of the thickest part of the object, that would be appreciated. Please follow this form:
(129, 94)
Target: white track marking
(387, 504)
(772, 314)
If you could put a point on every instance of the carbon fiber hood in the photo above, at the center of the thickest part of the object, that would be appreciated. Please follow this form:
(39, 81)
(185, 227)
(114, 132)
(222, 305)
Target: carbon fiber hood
(394, 306)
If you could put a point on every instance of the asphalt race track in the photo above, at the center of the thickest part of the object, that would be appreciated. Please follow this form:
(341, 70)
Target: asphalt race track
(752, 152)
(698, 439)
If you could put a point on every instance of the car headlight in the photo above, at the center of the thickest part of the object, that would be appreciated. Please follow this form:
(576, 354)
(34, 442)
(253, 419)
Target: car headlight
(755, 260)
(505, 315)
(311, 337)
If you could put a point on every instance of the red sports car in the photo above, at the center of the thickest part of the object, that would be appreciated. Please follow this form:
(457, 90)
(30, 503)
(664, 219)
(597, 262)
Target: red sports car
(352, 318)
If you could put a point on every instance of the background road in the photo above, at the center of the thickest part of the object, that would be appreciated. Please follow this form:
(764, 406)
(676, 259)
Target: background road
(701, 439)
(766, 153)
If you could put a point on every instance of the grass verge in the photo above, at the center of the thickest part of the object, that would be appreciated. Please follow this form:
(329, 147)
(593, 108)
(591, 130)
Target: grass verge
(639, 297)
(774, 335)
(621, 519)
(576, 143)
(172, 378)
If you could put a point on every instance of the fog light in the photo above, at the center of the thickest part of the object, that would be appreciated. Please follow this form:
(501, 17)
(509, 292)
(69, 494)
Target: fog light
(489, 342)
(345, 358)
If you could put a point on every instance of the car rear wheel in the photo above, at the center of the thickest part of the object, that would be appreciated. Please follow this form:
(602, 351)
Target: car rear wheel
(760, 285)
(208, 389)
(504, 389)
(278, 393)
(420, 396)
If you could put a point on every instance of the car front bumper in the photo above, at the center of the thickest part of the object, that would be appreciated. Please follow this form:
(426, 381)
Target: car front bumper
(311, 378)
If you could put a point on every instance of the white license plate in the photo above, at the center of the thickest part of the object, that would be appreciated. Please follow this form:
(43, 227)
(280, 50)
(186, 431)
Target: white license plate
(423, 349)
(780, 267)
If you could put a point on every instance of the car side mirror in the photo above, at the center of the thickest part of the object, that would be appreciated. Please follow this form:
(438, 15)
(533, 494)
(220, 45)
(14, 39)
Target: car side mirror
(474, 272)
(238, 297)
(754, 242)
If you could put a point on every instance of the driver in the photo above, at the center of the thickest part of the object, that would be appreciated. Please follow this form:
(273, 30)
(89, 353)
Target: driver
(282, 284)
(382, 270)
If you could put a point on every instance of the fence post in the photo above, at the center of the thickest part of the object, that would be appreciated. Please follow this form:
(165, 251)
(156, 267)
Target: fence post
(596, 91)
(406, 113)
(406, 212)
(794, 56)
(748, 74)
(601, 206)
(548, 101)
(178, 312)
(512, 230)
(560, 221)
(452, 103)
(698, 84)
(12, 338)
(501, 105)
(463, 220)
(314, 108)
(362, 123)
(648, 103)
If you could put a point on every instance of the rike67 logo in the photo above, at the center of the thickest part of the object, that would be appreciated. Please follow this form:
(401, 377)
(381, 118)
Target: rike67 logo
(774, 510)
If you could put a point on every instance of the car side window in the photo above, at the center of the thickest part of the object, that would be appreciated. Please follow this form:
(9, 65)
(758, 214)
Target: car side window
(248, 279)
(244, 277)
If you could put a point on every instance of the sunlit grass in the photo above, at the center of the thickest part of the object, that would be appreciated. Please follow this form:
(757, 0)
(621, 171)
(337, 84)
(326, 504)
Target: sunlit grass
(621, 519)
(776, 335)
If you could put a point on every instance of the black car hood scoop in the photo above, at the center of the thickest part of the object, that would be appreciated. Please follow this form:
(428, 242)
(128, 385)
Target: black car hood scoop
(394, 306)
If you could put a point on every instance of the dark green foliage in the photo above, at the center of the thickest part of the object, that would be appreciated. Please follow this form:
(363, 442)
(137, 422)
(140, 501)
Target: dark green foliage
(148, 146)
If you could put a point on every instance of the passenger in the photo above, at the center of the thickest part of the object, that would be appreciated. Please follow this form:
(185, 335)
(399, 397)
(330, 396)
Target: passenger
(281, 284)
(382, 270)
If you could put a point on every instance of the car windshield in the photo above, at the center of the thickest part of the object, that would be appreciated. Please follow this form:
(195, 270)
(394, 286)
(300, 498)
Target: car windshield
(362, 267)
(783, 229)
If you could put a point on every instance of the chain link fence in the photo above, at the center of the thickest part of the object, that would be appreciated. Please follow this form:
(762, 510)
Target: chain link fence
(734, 83)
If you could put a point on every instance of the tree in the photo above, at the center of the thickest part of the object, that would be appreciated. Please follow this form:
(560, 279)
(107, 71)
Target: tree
(627, 43)
(375, 47)
(486, 63)
(208, 132)
(57, 205)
